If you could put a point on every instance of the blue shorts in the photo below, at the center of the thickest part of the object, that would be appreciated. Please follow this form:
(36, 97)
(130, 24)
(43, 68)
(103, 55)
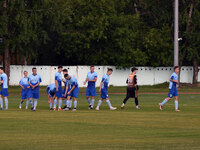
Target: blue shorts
(35, 94)
(63, 95)
(172, 92)
(59, 94)
(51, 94)
(4, 92)
(75, 92)
(91, 91)
(104, 94)
(26, 93)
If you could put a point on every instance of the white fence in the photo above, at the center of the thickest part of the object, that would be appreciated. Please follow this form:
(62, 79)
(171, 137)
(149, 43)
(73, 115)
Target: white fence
(146, 75)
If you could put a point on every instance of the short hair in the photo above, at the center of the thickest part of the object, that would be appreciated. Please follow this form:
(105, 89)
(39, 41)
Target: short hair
(2, 68)
(110, 69)
(25, 71)
(65, 70)
(133, 69)
(66, 75)
(175, 67)
(33, 68)
(60, 67)
(91, 66)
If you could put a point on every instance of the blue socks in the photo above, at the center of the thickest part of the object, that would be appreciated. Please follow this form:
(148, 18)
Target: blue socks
(65, 101)
(31, 102)
(92, 103)
(6, 103)
(99, 103)
(55, 103)
(165, 101)
(59, 103)
(108, 102)
(27, 102)
(75, 104)
(1, 102)
(50, 105)
(89, 101)
(35, 104)
(176, 104)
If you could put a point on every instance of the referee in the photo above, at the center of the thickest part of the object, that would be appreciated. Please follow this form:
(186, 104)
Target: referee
(132, 88)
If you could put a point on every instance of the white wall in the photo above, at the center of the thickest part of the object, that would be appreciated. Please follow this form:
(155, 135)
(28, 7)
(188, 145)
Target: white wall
(146, 75)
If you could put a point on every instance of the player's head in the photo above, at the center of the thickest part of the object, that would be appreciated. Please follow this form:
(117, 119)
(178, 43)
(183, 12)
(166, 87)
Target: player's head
(25, 73)
(92, 68)
(67, 76)
(176, 69)
(110, 70)
(60, 68)
(65, 71)
(34, 70)
(134, 70)
(1, 70)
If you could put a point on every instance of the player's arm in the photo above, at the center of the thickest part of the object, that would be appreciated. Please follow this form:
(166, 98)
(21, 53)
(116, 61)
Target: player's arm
(95, 79)
(71, 89)
(36, 85)
(66, 90)
(1, 81)
(100, 86)
(21, 85)
(30, 84)
(172, 79)
(135, 81)
(56, 83)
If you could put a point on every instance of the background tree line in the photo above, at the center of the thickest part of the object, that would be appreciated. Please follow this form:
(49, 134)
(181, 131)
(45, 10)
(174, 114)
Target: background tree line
(100, 32)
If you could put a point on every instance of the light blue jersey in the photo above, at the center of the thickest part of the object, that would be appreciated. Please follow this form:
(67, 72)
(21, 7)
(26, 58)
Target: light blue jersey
(105, 80)
(58, 78)
(72, 82)
(34, 79)
(51, 88)
(172, 85)
(4, 78)
(91, 76)
(24, 82)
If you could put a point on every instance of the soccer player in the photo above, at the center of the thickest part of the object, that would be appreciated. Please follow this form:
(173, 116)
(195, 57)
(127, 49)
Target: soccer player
(131, 88)
(51, 89)
(91, 87)
(73, 92)
(59, 90)
(65, 71)
(26, 91)
(103, 90)
(4, 89)
(172, 89)
(34, 81)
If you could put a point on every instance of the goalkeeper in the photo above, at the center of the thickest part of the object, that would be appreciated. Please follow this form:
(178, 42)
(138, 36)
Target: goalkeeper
(132, 88)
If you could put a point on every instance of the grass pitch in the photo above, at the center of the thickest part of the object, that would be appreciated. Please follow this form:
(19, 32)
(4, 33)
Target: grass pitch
(148, 128)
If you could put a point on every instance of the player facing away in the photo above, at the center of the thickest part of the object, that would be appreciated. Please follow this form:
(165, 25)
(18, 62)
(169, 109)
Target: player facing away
(51, 89)
(34, 81)
(172, 89)
(73, 92)
(103, 89)
(59, 90)
(64, 97)
(4, 89)
(91, 87)
(26, 91)
(132, 88)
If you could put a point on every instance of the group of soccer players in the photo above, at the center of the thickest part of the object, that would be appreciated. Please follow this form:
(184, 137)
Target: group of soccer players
(30, 89)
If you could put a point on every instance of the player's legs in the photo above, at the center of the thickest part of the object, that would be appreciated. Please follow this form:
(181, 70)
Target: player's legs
(36, 97)
(75, 94)
(176, 100)
(55, 103)
(88, 95)
(99, 103)
(24, 95)
(109, 104)
(27, 102)
(1, 102)
(92, 102)
(21, 102)
(6, 103)
(164, 102)
(129, 92)
(60, 104)
(75, 103)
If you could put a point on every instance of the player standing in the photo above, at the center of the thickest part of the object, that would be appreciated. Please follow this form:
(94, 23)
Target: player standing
(91, 87)
(51, 89)
(34, 81)
(103, 89)
(59, 90)
(65, 71)
(26, 91)
(172, 89)
(73, 92)
(4, 89)
(132, 88)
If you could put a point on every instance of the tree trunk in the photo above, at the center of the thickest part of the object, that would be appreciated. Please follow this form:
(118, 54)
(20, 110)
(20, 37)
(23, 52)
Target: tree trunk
(6, 63)
(195, 71)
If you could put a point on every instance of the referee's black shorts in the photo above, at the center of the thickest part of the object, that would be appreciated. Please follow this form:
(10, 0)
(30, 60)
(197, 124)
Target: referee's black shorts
(131, 92)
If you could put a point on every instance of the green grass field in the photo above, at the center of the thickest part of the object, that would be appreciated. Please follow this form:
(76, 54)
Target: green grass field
(148, 128)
